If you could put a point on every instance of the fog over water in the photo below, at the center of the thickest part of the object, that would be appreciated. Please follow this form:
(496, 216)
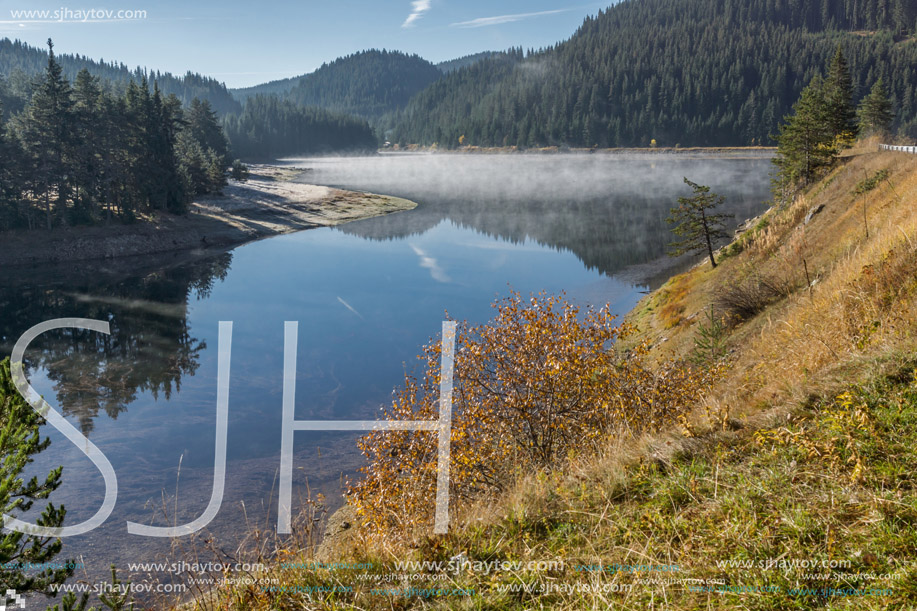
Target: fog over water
(608, 209)
(367, 296)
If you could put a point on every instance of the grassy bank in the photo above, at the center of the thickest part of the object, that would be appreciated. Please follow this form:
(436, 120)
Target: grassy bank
(790, 486)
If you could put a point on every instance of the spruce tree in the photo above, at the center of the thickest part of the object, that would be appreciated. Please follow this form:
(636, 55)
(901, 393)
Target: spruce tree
(89, 130)
(839, 99)
(806, 141)
(204, 127)
(47, 135)
(166, 121)
(875, 111)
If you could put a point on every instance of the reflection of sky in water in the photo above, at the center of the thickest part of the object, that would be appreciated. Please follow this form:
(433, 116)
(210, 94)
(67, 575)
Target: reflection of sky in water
(365, 307)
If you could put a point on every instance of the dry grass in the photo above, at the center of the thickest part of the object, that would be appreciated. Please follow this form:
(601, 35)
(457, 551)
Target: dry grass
(792, 334)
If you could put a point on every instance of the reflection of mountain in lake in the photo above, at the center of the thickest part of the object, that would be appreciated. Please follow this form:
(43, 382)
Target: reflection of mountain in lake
(149, 348)
(609, 212)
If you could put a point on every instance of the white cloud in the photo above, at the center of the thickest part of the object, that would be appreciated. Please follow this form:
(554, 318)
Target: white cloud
(350, 307)
(418, 8)
(430, 263)
(500, 19)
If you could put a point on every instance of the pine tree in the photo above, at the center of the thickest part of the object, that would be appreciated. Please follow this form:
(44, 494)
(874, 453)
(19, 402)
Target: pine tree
(166, 122)
(875, 111)
(839, 99)
(806, 141)
(89, 130)
(138, 163)
(47, 134)
(696, 223)
(20, 441)
(204, 127)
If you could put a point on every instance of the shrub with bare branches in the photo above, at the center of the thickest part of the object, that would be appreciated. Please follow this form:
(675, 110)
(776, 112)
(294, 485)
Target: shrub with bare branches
(740, 300)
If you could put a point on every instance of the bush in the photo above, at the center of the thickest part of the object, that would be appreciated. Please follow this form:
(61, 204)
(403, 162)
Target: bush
(239, 170)
(538, 383)
(741, 300)
(868, 184)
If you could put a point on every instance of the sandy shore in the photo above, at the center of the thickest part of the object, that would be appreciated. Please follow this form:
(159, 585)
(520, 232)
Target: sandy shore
(267, 204)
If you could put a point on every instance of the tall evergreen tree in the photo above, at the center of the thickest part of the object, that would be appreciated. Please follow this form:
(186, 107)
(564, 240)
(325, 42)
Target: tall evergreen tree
(806, 142)
(47, 135)
(138, 149)
(89, 130)
(204, 126)
(838, 93)
(875, 111)
(166, 119)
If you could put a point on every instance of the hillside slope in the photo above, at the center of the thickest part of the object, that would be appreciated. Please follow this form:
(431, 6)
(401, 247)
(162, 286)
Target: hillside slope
(689, 72)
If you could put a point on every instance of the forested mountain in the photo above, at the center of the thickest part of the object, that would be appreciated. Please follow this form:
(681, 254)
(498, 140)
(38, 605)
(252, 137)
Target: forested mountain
(278, 88)
(367, 84)
(397, 76)
(461, 62)
(20, 62)
(269, 127)
(689, 72)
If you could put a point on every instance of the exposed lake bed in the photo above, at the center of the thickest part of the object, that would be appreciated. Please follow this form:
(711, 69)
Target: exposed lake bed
(268, 203)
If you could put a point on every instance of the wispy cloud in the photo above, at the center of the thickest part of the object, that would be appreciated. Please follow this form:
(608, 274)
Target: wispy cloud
(430, 263)
(350, 307)
(418, 8)
(482, 22)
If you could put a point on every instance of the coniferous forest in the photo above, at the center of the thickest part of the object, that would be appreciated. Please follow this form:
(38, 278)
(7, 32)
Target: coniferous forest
(367, 84)
(695, 73)
(83, 153)
(269, 127)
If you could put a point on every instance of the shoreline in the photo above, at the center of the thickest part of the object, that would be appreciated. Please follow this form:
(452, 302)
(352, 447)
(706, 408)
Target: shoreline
(269, 203)
(739, 151)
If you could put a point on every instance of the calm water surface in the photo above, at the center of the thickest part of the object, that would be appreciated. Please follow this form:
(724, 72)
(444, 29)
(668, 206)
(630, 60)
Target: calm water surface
(367, 296)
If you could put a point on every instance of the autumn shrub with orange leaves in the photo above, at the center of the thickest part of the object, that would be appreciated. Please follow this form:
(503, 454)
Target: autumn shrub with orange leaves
(540, 382)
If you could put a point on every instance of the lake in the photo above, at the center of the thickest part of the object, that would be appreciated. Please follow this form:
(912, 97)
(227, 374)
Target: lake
(367, 296)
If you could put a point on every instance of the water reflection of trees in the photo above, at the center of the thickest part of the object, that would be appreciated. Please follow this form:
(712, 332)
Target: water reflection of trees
(150, 348)
(607, 234)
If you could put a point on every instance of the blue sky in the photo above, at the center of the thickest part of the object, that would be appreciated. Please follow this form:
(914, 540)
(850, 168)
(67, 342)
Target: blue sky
(245, 43)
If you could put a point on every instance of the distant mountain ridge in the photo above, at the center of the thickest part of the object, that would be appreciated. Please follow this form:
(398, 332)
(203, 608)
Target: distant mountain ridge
(367, 84)
(18, 60)
(462, 62)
